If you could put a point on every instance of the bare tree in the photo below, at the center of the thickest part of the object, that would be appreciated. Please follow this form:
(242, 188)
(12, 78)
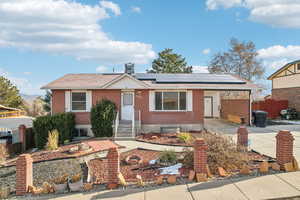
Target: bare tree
(240, 59)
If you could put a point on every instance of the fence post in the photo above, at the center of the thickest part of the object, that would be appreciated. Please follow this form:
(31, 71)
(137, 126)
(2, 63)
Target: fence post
(242, 137)
(200, 156)
(22, 136)
(113, 159)
(23, 174)
(284, 148)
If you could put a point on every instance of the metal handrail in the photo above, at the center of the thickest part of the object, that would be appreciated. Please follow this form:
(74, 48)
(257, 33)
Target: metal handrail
(133, 124)
(10, 114)
(117, 122)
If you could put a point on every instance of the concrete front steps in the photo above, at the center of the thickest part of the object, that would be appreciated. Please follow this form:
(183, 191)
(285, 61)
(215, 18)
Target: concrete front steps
(124, 131)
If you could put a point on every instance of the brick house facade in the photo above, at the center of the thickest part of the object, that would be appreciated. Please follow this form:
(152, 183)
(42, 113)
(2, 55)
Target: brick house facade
(156, 100)
(286, 84)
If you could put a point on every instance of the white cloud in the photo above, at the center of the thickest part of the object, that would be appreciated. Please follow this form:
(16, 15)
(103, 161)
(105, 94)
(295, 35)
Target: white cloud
(66, 27)
(112, 6)
(206, 51)
(27, 73)
(215, 4)
(102, 69)
(279, 13)
(200, 69)
(23, 84)
(136, 9)
(277, 56)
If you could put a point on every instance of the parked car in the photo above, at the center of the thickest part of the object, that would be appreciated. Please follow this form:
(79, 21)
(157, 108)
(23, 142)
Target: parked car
(289, 114)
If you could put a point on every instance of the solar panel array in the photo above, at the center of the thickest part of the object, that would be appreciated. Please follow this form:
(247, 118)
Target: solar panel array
(190, 78)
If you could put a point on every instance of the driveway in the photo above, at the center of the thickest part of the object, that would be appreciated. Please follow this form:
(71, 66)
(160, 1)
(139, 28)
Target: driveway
(261, 139)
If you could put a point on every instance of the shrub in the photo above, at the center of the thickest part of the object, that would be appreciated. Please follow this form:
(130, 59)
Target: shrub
(3, 153)
(184, 137)
(64, 123)
(222, 152)
(52, 143)
(188, 158)
(103, 115)
(168, 157)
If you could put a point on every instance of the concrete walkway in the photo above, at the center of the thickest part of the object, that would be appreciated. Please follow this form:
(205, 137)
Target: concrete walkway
(129, 145)
(248, 188)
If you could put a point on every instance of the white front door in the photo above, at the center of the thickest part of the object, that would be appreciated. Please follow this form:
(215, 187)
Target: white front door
(127, 105)
(208, 106)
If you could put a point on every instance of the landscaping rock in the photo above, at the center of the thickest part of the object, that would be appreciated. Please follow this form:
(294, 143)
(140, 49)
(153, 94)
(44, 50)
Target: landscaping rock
(201, 177)
(264, 167)
(245, 170)
(4, 192)
(209, 174)
(159, 180)
(222, 172)
(111, 186)
(288, 167)
(172, 179)
(192, 175)
(275, 166)
(295, 164)
(87, 187)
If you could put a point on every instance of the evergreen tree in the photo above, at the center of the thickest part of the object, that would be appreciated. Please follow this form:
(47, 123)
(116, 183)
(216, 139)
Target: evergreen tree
(9, 94)
(169, 62)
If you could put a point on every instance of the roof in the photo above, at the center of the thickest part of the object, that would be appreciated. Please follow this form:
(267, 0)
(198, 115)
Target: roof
(81, 81)
(153, 81)
(7, 108)
(191, 78)
(282, 69)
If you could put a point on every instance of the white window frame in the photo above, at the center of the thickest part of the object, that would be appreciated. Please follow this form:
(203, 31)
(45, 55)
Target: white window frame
(86, 100)
(162, 99)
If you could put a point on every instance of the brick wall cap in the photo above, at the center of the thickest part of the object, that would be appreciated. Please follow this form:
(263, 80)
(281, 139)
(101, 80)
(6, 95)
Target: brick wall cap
(285, 135)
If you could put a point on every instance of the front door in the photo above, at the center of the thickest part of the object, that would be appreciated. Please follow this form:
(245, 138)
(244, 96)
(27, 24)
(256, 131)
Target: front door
(127, 105)
(208, 106)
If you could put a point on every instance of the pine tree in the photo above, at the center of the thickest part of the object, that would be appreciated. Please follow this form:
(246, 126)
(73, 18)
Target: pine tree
(169, 62)
(9, 94)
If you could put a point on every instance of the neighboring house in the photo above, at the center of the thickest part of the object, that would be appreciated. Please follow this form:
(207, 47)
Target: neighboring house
(286, 84)
(156, 102)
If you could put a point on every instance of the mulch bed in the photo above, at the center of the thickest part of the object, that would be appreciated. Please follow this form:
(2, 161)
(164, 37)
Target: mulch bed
(150, 172)
(130, 171)
(95, 145)
(164, 139)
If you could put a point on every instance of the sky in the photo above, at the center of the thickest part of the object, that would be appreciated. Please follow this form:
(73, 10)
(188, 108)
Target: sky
(41, 40)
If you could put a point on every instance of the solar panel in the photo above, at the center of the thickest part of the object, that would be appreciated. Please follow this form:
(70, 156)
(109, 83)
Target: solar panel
(190, 78)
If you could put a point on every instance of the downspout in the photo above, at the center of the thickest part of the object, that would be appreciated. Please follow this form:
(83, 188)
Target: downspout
(250, 108)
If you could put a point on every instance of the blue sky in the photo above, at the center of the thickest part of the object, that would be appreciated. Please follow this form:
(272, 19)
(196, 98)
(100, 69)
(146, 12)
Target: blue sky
(41, 40)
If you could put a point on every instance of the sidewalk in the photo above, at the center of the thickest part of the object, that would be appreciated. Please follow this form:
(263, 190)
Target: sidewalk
(264, 187)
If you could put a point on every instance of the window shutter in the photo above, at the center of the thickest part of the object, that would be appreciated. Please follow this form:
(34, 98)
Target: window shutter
(151, 100)
(88, 101)
(67, 101)
(190, 100)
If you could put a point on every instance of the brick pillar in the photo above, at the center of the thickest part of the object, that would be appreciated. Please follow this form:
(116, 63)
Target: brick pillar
(22, 136)
(242, 137)
(23, 174)
(200, 156)
(113, 159)
(284, 147)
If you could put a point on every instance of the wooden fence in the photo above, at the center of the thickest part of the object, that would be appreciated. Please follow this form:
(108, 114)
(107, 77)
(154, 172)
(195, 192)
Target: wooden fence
(273, 107)
(10, 114)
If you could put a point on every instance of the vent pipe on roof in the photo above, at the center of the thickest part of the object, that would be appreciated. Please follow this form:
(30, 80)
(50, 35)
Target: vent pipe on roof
(129, 68)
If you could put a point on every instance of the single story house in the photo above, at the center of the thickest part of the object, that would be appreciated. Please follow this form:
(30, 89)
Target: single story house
(286, 84)
(152, 102)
